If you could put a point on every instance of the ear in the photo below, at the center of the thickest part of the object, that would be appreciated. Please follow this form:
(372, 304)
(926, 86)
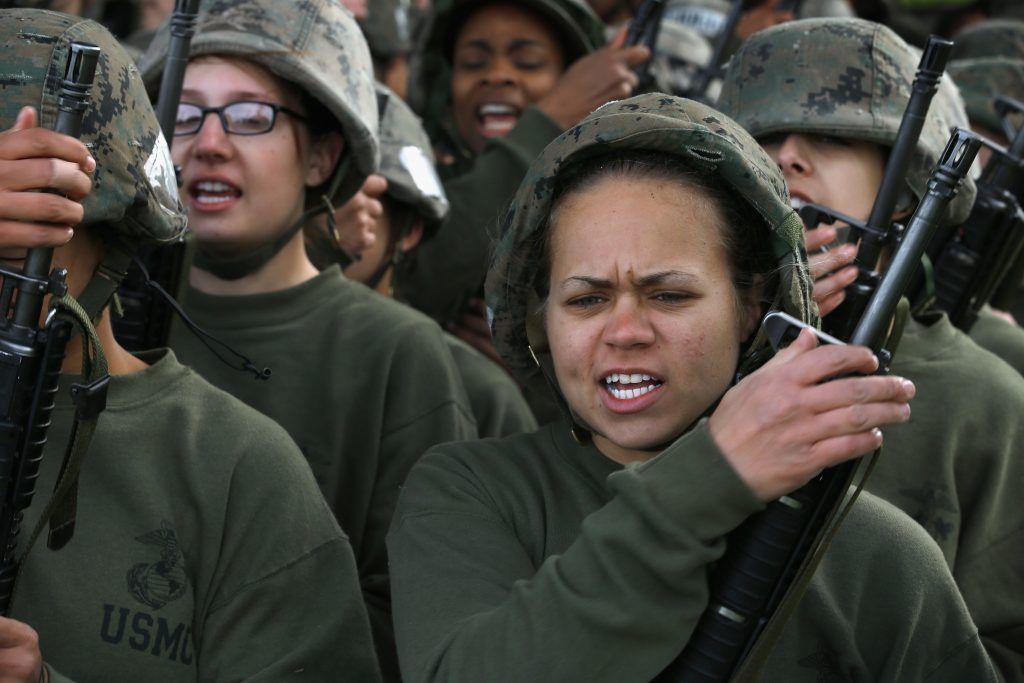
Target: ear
(324, 154)
(412, 238)
(750, 307)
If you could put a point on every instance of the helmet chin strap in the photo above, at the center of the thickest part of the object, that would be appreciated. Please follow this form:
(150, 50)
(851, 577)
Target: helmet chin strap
(237, 266)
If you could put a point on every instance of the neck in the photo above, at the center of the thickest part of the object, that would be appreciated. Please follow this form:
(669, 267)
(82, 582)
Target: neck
(119, 361)
(621, 455)
(288, 268)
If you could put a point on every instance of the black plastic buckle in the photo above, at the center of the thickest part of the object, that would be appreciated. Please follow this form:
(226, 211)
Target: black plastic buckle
(90, 399)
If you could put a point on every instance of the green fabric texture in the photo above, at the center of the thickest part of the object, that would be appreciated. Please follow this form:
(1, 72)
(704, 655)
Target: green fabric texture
(1000, 337)
(981, 80)
(203, 550)
(498, 405)
(534, 558)
(451, 266)
(956, 468)
(363, 384)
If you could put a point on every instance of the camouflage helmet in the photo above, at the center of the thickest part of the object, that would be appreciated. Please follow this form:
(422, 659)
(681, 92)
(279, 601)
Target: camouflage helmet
(993, 38)
(134, 193)
(849, 78)
(407, 161)
(982, 80)
(388, 27)
(704, 140)
(314, 44)
(580, 30)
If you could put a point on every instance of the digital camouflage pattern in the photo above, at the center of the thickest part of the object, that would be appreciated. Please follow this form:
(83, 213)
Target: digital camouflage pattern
(705, 141)
(982, 80)
(407, 161)
(430, 80)
(848, 78)
(388, 27)
(315, 44)
(993, 38)
(134, 192)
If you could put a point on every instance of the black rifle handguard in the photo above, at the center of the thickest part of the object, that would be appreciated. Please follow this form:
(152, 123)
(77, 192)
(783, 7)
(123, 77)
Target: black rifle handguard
(30, 357)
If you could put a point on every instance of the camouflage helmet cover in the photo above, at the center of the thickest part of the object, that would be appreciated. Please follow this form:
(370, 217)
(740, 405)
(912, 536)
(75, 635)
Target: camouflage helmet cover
(407, 161)
(704, 140)
(315, 44)
(849, 78)
(993, 38)
(982, 80)
(133, 192)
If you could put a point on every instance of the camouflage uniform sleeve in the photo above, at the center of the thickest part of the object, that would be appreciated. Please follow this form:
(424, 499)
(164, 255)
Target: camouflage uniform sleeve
(450, 268)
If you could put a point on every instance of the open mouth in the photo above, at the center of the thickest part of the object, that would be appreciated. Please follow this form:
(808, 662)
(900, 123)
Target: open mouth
(213, 195)
(496, 120)
(624, 387)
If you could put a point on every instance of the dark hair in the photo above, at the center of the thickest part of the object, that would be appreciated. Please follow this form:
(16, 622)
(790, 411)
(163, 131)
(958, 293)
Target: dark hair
(745, 236)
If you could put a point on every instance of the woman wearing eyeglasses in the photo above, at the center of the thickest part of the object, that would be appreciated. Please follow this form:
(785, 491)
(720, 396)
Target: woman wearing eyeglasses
(278, 122)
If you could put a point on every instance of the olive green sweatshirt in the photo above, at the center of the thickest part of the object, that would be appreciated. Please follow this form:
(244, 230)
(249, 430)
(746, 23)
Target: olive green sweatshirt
(533, 559)
(203, 550)
(363, 384)
(451, 266)
(958, 469)
(498, 405)
(1001, 337)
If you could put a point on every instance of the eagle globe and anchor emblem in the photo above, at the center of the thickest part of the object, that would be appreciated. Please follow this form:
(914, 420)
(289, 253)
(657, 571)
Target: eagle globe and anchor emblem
(157, 583)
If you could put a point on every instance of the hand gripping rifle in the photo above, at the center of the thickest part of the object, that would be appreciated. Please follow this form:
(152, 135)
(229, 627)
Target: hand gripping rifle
(877, 232)
(30, 357)
(145, 322)
(775, 549)
(974, 259)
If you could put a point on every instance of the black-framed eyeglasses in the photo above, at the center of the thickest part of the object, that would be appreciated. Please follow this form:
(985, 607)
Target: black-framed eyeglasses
(245, 117)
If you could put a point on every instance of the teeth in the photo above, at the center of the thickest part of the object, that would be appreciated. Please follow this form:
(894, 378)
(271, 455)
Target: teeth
(623, 394)
(213, 186)
(616, 378)
(496, 109)
(796, 203)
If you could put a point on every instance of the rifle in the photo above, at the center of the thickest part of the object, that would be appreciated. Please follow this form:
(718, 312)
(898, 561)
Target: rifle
(644, 30)
(767, 554)
(876, 233)
(972, 262)
(31, 357)
(702, 80)
(145, 322)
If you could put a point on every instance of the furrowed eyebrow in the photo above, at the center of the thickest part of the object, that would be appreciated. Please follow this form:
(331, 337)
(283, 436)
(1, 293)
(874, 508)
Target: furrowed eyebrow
(677, 277)
(524, 42)
(584, 281)
(674, 277)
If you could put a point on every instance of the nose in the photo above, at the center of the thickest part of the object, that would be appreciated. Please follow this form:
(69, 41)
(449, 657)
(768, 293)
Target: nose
(211, 141)
(500, 71)
(629, 325)
(791, 156)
